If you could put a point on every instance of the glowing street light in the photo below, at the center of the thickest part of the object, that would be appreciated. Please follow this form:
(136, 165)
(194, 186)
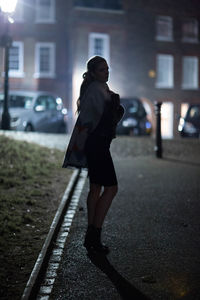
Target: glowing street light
(7, 7)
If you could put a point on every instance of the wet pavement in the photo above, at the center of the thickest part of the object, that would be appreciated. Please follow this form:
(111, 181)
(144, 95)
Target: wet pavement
(152, 229)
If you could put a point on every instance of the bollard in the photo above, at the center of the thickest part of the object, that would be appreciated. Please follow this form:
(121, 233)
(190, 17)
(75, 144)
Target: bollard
(158, 146)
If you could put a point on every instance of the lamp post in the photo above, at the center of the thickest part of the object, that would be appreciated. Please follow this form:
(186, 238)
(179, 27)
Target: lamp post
(7, 7)
(158, 146)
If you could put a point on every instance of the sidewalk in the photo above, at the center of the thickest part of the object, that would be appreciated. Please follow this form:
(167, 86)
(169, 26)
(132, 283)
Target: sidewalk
(152, 230)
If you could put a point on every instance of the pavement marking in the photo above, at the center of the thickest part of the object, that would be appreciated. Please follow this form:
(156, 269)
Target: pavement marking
(54, 262)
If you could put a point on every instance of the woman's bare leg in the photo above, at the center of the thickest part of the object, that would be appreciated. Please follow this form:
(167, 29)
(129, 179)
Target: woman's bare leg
(102, 205)
(92, 199)
(97, 206)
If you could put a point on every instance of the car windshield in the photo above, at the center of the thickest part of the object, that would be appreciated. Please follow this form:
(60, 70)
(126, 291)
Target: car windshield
(18, 101)
(131, 106)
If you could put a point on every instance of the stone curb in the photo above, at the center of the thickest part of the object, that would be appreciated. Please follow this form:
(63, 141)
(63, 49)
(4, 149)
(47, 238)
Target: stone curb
(42, 260)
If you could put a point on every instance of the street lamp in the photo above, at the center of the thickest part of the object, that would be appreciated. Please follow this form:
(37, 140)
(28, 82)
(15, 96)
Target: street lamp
(158, 146)
(7, 7)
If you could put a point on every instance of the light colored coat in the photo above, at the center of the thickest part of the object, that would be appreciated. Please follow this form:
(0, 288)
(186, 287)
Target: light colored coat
(92, 107)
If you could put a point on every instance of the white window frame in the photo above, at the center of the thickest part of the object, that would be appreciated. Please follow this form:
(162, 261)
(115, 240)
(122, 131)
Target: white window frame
(52, 8)
(191, 39)
(195, 84)
(170, 80)
(51, 73)
(169, 23)
(20, 72)
(106, 50)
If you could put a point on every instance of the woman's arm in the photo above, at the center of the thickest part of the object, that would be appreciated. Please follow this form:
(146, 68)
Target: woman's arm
(92, 106)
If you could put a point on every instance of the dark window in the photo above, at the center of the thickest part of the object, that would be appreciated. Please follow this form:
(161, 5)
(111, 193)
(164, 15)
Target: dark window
(14, 58)
(190, 30)
(51, 103)
(98, 45)
(44, 59)
(194, 113)
(20, 101)
(105, 4)
(41, 103)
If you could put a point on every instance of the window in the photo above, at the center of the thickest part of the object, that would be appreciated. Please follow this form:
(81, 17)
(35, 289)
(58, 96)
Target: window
(41, 103)
(99, 45)
(104, 4)
(45, 11)
(16, 60)
(165, 70)
(51, 103)
(167, 118)
(190, 72)
(164, 28)
(18, 15)
(20, 101)
(190, 30)
(194, 113)
(45, 102)
(184, 109)
(45, 60)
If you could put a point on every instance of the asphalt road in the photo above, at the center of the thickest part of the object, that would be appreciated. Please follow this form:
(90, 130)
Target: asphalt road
(152, 229)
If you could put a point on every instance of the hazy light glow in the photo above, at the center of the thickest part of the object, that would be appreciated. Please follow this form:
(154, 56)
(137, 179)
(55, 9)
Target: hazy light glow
(8, 6)
(11, 20)
(58, 100)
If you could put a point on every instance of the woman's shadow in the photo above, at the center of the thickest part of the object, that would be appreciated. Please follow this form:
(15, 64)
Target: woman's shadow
(124, 288)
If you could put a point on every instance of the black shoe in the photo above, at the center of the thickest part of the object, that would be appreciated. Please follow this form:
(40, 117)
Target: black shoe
(93, 241)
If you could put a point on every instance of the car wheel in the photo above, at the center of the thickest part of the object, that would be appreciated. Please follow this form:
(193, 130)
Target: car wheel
(29, 128)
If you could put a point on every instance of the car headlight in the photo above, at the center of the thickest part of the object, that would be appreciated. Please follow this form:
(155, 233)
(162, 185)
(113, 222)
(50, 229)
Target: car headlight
(129, 122)
(189, 128)
(64, 111)
(181, 124)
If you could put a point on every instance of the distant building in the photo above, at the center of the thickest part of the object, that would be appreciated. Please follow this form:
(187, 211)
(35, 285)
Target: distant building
(152, 48)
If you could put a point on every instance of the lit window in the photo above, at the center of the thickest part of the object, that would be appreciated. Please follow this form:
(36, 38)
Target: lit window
(190, 72)
(45, 11)
(45, 60)
(167, 118)
(190, 30)
(164, 28)
(184, 109)
(99, 45)
(16, 60)
(165, 71)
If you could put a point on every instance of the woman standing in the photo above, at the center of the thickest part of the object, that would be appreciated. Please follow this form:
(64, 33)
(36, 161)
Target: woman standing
(99, 111)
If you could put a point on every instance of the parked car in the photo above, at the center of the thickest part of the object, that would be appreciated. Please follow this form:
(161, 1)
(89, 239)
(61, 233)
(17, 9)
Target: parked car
(36, 111)
(134, 121)
(189, 126)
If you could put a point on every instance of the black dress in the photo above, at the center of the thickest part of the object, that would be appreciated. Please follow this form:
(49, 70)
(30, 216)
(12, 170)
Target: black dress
(97, 149)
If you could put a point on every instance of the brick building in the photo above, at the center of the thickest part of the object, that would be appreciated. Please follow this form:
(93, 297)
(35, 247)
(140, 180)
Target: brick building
(152, 48)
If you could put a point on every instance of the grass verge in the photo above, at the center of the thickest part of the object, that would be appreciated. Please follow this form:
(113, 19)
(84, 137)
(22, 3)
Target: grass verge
(32, 184)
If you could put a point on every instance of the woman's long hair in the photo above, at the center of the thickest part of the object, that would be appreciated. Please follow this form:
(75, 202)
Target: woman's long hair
(88, 77)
